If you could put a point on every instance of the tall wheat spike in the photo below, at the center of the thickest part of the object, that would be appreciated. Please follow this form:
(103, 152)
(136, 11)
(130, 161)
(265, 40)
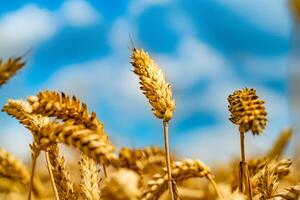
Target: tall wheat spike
(159, 94)
(61, 176)
(280, 144)
(90, 179)
(9, 68)
(181, 170)
(248, 112)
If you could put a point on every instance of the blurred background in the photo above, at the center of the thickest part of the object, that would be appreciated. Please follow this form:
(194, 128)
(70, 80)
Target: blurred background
(208, 49)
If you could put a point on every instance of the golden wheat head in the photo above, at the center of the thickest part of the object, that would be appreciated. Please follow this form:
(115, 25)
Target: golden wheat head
(153, 84)
(247, 111)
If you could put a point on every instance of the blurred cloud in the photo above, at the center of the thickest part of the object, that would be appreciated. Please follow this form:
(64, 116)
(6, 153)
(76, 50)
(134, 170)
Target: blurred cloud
(30, 25)
(137, 7)
(79, 13)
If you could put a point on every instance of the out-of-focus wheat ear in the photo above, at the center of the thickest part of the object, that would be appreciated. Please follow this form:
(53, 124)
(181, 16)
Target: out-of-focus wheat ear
(90, 179)
(181, 170)
(293, 193)
(64, 107)
(22, 111)
(121, 185)
(61, 176)
(139, 159)
(10, 68)
(12, 168)
(280, 144)
(267, 183)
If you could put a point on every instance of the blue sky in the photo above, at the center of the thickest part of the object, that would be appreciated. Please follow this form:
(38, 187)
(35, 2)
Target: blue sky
(208, 48)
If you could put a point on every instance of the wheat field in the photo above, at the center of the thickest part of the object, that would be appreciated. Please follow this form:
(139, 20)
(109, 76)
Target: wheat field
(107, 172)
(58, 121)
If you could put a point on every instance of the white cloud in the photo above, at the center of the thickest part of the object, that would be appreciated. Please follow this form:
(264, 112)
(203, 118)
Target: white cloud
(24, 28)
(79, 13)
(27, 27)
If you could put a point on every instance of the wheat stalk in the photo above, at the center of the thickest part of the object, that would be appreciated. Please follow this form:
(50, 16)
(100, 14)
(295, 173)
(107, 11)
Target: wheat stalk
(181, 170)
(248, 112)
(62, 106)
(159, 94)
(61, 176)
(121, 185)
(9, 68)
(89, 179)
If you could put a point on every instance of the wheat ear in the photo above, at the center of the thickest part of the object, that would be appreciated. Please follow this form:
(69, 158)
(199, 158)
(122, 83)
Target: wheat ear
(293, 193)
(280, 144)
(61, 176)
(12, 168)
(248, 112)
(181, 170)
(89, 179)
(89, 142)
(139, 159)
(159, 94)
(9, 68)
(62, 106)
(121, 185)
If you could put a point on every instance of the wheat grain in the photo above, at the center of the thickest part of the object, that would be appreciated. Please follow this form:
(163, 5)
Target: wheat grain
(153, 84)
(61, 176)
(181, 170)
(9, 68)
(89, 179)
(121, 185)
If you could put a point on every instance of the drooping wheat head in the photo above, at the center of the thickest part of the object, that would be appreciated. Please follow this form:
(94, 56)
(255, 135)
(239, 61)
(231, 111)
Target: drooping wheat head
(181, 170)
(64, 107)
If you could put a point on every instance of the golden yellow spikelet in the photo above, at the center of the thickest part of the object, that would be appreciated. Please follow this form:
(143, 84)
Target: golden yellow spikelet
(247, 111)
(9, 68)
(153, 84)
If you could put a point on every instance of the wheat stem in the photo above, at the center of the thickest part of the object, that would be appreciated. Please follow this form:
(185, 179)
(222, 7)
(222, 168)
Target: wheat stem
(34, 157)
(242, 163)
(49, 166)
(168, 160)
(105, 171)
(215, 186)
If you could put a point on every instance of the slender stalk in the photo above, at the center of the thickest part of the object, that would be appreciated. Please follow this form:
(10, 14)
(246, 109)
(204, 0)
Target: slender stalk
(105, 171)
(248, 183)
(242, 163)
(168, 160)
(49, 166)
(34, 157)
(215, 186)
